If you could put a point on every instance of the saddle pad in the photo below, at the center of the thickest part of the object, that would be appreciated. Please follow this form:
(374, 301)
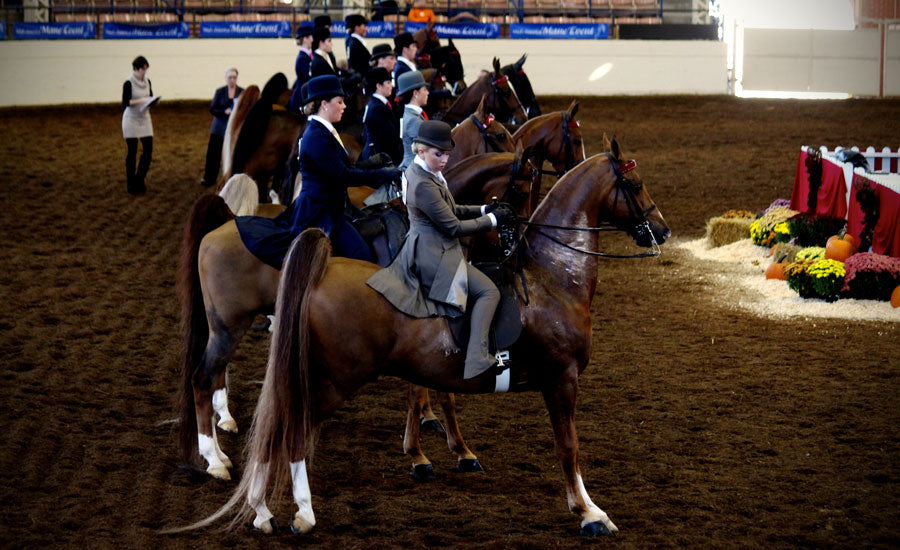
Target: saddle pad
(507, 324)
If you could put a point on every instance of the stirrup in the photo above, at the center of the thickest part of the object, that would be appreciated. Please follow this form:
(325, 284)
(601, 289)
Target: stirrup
(501, 357)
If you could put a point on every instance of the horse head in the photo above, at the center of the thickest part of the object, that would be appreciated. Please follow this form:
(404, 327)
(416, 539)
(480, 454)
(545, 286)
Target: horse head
(567, 141)
(505, 103)
(449, 62)
(629, 206)
(522, 85)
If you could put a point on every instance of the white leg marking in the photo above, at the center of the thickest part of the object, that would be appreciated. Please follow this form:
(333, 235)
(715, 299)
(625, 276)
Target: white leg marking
(304, 519)
(209, 451)
(256, 498)
(501, 385)
(220, 405)
(593, 512)
(222, 456)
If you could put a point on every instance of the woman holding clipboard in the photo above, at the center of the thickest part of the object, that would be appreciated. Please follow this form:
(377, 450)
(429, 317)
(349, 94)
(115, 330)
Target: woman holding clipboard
(137, 97)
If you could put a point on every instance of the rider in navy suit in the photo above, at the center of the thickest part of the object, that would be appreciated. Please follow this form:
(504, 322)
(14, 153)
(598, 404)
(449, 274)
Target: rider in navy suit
(381, 133)
(321, 60)
(327, 173)
(303, 63)
(357, 53)
(405, 47)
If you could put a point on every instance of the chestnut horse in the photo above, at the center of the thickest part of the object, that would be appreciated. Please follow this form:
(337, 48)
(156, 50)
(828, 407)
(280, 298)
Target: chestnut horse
(222, 287)
(334, 333)
(522, 86)
(501, 99)
(478, 134)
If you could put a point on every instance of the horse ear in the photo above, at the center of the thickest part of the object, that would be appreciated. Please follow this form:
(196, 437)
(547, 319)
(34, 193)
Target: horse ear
(521, 62)
(573, 108)
(450, 42)
(497, 67)
(606, 145)
(479, 112)
(614, 147)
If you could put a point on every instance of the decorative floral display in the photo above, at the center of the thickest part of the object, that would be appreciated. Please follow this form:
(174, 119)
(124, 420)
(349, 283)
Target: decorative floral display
(782, 233)
(814, 253)
(814, 230)
(871, 276)
(762, 231)
(778, 203)
(798, 278)
(826, 278)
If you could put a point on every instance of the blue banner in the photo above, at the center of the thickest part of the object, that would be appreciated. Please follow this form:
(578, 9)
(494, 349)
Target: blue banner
(374, 29)
(459, 30)
(2, 30)
(128, 31)
(245, 29)
(53, 31)
(585, 31)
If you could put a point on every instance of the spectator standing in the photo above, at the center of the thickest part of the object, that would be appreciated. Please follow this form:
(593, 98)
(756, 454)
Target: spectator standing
(137, 96)
(303, 63)
(220, 107)
(357, 53)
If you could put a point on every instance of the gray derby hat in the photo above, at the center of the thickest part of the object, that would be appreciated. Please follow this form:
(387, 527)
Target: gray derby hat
(412, 80)
(436, 134)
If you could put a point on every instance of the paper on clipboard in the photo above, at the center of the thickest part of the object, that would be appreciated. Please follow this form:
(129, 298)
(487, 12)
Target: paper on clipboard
(153, 101)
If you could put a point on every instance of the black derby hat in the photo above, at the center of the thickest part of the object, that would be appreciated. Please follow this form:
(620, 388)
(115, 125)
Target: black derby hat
(379, 51)
(325, 86)
(322, 20)
(436, 134)
(354, 20)
(305, 28)
(402, 40)
(376, 76)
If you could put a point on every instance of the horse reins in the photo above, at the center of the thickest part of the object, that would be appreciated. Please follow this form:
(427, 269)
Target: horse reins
(489, 141)
(567, 148)
(626, 189)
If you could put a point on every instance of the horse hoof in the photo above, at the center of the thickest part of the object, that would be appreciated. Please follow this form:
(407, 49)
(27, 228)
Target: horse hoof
(423, 472)
(596, 529)
(229, 426)
(219, 473)
(227, 462)
(300, 526)
(267, 527)
(468, 465)
(432, 425)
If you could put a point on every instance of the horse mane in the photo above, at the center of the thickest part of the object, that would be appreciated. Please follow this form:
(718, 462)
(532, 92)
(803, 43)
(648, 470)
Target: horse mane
(235, 120)
(254, 127)
(241, 195)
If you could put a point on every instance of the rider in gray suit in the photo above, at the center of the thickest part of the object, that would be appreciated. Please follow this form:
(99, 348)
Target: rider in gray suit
(430, 276)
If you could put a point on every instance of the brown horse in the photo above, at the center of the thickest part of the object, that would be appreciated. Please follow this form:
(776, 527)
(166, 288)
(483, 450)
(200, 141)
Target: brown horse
(334, 333)
(556, 138)
(478, 134)
(501, 99)
(222, 287)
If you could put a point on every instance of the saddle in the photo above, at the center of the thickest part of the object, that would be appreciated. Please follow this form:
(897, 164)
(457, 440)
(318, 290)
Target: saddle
(388, 219)
(507, 324)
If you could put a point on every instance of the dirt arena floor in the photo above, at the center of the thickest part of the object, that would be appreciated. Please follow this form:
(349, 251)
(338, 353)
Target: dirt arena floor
(700, 425)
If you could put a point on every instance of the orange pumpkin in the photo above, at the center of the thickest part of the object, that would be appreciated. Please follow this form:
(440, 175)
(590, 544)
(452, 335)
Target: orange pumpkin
(776, 271)
(838, 250)
(853, 240)
(895, 297)
(831, 239)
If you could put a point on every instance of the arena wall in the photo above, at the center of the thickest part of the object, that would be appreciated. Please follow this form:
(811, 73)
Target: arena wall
(821, 61)
(90, 71)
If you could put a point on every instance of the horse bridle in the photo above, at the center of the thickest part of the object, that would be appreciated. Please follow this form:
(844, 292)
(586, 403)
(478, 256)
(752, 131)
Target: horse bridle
(628, 190)
(489, 140)
(567, 148)
(498, 107)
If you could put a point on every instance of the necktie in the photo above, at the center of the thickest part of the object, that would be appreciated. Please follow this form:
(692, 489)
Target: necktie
(389, 105)
(424, 114)
(338, 138)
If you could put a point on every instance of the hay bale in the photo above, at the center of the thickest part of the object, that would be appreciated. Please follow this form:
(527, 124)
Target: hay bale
(722, 231)
(789, 251)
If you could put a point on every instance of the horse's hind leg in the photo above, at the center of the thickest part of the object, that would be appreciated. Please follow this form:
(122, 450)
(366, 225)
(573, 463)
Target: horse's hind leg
(559, 395)
(466, 459)
(429, 421)
(422, 468)
(208, 379)
(220, 405)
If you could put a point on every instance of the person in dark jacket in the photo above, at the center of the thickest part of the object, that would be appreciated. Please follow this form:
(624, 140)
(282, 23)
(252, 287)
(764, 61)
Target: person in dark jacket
(405, 47)
(321, 62)
(303, 63)
(220, 107)
(326, 173)
(357, 53)
(381, 134)
(430, 276)
(325, 21)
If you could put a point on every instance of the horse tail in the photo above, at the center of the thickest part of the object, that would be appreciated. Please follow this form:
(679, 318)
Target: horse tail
(241, 195)
(208, 213)
(282, 425)
(235, 121)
